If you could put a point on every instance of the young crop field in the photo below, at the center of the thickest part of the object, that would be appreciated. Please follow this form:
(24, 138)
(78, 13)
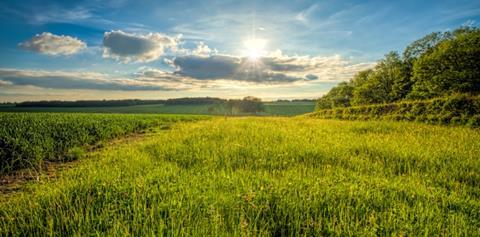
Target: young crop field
(28, 139)
(262, 176)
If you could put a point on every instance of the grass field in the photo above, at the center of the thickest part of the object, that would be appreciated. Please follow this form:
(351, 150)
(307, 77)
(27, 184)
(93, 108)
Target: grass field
(263, 177)
(271, 109)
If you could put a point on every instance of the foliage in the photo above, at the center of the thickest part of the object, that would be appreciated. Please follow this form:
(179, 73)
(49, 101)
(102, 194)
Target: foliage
(111, 103)
(338, 96)
(439, 64)
(248, 104)
(451, 67)
(28, 139)
(455, 109)
(264, 177)
(194, 101)
(423, 46)
(384, 84)
(88, 103)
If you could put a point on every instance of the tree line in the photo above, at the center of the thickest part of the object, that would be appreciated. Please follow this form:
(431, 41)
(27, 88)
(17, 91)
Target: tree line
(87, 103)
(437, 65)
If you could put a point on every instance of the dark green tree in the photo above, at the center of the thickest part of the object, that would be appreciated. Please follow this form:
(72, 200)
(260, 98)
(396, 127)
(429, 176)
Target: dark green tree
(248, 104)
(338, 96)
(384, 84)
(452, 66)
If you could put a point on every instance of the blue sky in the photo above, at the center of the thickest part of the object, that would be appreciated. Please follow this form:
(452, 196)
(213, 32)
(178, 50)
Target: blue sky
(117, 49)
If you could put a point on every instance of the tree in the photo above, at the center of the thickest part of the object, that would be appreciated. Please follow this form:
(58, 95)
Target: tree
(248, 104)
(361, 77)
(452, 66)
(338, 96)
(423, 46)
(436, 65)
(386, 83)
(251, 104)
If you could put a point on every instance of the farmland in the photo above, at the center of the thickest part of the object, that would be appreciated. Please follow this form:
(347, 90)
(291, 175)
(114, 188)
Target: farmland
(271, 109)
(28, 139)
(262, 176)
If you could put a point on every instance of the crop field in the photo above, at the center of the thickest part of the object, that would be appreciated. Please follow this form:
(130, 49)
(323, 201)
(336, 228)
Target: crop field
(271, 109)
(261, 176)
(28, 139)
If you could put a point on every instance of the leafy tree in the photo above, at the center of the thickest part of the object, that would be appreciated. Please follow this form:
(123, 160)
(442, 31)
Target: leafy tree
(251, 104)
(338, 96)
(423, 45)
(384, 84)
(438, 64)
(452, 66)
(248, 104)
(361, 77)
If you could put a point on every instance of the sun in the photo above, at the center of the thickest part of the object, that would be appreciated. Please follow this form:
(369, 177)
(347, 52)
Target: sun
(254, 48)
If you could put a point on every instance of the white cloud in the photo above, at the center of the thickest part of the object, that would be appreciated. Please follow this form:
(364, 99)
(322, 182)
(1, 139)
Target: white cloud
(203, 50)
(127, 47)
(50, 44)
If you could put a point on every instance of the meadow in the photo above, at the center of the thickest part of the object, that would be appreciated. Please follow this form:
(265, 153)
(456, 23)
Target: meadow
(263, 176)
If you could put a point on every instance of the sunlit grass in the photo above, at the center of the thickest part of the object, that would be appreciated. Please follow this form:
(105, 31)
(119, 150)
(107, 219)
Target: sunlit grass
(265, 176)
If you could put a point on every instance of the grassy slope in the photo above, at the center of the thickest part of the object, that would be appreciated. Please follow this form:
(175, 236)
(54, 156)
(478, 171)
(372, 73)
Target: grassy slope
(271, 108)
(266, 176)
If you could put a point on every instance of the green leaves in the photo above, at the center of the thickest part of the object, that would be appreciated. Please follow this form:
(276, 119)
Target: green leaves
(458, 109)
(453, 66)
(439, 64)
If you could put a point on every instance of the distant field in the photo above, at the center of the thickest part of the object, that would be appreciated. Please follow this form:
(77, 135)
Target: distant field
(271, 109)
(263, 176)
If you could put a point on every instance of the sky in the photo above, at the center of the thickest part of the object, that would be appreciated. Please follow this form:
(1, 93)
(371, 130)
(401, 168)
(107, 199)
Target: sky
(272, 49)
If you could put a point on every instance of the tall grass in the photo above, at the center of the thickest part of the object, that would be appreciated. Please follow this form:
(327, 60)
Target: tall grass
(265, 177)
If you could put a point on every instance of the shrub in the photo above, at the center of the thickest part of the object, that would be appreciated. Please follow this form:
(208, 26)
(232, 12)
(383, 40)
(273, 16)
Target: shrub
(454, 109)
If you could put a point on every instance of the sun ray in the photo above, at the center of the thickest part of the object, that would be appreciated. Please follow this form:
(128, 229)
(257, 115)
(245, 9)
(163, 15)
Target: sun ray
(254, 48)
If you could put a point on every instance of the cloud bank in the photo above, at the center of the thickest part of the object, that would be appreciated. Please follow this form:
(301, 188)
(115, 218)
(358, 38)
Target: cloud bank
(73, 80)
(50, 44)
(127, 47)
(272, 69)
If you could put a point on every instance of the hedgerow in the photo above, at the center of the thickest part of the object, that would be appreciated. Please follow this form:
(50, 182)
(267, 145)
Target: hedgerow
(459, 109)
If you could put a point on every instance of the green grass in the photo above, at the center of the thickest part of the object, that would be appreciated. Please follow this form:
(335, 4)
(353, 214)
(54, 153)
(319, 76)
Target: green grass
(271, 108)
(264, 177)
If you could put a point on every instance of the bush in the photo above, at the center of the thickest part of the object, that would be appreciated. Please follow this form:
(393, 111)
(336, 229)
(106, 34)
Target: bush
(454, 109)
